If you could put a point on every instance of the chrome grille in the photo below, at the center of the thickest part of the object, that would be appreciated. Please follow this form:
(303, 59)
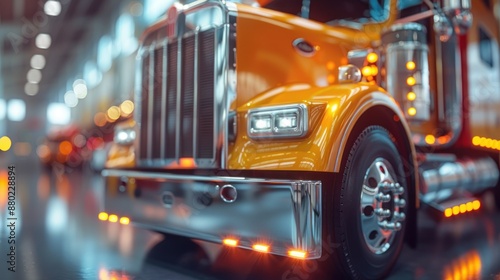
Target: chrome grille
(177, 119)
(183, 86)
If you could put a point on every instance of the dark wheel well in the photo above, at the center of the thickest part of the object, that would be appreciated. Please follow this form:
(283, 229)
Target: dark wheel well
(386, 118)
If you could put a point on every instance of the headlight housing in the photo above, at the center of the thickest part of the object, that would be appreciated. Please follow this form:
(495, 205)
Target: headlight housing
(289, 121)
(124, 136)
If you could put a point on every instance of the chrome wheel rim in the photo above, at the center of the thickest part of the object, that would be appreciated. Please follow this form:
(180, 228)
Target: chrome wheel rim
(381, 206)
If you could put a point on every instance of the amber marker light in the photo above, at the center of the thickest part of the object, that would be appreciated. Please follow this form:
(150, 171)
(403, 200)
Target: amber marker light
(366, 71)
(5, 143)
(448, 212)
(411, 81)
(476, 204)
(261, 248)
(230, 242)
(297, 254)
(372, 57)
(410, 65)
(430, 139)
(124, 221)
(411, 96)
(103, 216)
(476, 140)
(412, 111)
(113, 218)
(469, 206)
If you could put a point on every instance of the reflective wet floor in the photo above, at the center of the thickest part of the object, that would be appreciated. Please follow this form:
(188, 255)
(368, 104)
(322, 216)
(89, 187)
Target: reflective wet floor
(57, 236)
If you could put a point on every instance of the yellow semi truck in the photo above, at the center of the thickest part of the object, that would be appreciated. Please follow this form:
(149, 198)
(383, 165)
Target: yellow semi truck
(276, 126)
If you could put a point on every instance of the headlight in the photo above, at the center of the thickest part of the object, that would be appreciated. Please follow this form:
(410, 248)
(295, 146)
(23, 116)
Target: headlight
(278, 122)
(124, 136)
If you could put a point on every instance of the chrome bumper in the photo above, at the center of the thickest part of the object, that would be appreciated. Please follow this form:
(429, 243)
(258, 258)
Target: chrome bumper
(284, 215)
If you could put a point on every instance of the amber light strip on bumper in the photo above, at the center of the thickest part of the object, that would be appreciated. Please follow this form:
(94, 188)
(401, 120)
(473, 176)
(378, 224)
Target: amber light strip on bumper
(112, 218)
(462, 208)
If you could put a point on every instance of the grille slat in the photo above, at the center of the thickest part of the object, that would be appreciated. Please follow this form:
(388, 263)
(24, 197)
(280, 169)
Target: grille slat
(177, 115)
(187, 97)
(157, 102)
(144, 104)
(206, 100)
(171, 99)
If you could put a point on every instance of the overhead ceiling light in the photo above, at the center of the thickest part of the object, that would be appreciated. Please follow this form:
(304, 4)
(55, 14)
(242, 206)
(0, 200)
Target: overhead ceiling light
(58, 113)
(34, 76)
(52, 8)
(31, 89)
(43, 41)
(80, 88)
(70, 99)
(37, 61)
(16, 110)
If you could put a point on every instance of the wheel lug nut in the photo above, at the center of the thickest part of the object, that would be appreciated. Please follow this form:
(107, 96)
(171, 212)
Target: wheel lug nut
(399, 190)
(381, 197)
(389, 226)
(399, 216)
(384, 213)
(400, 202)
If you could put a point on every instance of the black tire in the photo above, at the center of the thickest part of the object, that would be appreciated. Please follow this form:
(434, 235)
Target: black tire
(365, 252)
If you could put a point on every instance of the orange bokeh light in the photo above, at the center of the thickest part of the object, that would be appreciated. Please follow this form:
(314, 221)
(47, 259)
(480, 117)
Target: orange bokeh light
(65, 148)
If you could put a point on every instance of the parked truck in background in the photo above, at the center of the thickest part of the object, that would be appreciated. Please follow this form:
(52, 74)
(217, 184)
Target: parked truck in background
(275, 127)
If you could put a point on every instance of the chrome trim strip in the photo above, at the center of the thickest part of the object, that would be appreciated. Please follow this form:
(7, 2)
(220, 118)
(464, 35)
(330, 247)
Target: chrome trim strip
(296, 222)
(150, 102)
(216, 99)
(195, 94)
(439, 81)
(164, 101)
(178, 101)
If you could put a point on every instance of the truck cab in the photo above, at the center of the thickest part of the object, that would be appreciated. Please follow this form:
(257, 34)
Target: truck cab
(276, 126)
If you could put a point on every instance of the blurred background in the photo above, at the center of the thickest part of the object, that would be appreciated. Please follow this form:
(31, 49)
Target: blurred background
(67, 73)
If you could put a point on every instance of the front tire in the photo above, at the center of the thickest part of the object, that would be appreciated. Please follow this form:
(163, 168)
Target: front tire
(369, 206)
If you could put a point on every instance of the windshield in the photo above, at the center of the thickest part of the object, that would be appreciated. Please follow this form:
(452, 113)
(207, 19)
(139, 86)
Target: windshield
(329, 10)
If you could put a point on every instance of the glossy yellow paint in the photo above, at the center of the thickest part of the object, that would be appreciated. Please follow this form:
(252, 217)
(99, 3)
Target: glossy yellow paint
(266, 57)
(333, 113)
(270, 71)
